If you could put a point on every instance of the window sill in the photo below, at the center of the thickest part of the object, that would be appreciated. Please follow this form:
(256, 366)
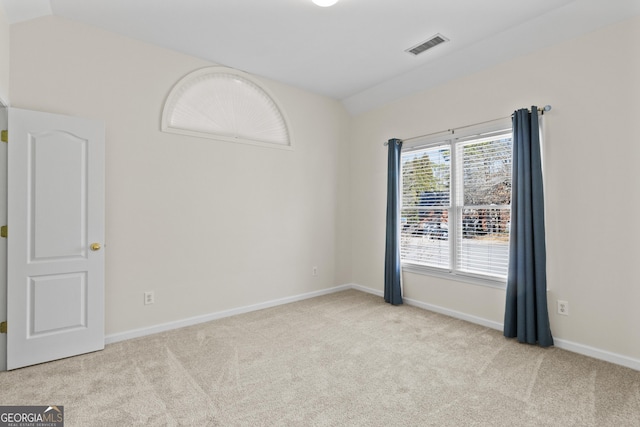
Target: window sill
(458, 277)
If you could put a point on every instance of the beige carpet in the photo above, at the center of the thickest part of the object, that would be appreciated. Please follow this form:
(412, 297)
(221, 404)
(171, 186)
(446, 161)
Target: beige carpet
(346, 359)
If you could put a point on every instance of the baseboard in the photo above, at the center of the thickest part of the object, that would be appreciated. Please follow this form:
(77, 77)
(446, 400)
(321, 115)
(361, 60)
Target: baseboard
(597, 353)
(137, 333)
(365, 289)
(455, 314)
(584, 350)
(573, 347)
(435, 308)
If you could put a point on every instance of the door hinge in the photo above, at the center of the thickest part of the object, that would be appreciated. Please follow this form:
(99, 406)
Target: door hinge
(4, 135)
(3, 327)
(4, 231)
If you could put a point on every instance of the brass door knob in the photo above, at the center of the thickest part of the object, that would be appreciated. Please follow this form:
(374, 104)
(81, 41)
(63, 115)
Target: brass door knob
(95, 246)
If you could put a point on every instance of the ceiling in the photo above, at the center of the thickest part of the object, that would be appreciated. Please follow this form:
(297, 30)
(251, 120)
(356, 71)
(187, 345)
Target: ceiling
(353, 51)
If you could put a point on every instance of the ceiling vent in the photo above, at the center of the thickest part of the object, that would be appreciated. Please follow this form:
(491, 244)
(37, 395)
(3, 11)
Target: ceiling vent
(424, 46)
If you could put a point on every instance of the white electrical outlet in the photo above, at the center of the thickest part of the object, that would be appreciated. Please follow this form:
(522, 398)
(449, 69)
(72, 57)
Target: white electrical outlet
(314, 271)
(563, 308)
(149, 298)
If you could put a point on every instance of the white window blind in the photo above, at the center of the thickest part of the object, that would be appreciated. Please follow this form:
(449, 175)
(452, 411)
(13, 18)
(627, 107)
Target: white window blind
(426, 195)
(484, 205)
(225, 104)
(456, 205)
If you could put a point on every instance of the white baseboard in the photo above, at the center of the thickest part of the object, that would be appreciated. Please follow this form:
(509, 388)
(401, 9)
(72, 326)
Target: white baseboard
(585, 350)
(137, 333)
(365, 289)
(574, 347)
(435, 308)
(597, 353)
(455, 314)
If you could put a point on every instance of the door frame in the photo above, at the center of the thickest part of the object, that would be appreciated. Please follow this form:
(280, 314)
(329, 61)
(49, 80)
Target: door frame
(4, 190)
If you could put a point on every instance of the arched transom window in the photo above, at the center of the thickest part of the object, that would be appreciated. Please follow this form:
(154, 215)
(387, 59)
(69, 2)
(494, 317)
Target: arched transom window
(225, 104)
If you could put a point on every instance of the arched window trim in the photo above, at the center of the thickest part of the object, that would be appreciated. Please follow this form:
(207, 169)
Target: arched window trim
(177, 93)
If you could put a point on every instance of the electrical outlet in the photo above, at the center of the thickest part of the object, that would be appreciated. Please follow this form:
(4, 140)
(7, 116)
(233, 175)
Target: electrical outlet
(563, 308)
(149, 298)
(314, 271)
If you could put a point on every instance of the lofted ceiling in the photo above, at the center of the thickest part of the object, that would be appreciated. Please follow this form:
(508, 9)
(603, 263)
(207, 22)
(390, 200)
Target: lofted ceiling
(353, 51)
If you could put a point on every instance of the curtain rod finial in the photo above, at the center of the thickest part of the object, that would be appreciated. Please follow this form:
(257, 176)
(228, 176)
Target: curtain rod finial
(547, 107)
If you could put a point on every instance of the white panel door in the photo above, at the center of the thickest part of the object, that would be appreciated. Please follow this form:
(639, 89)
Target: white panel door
(55, 289)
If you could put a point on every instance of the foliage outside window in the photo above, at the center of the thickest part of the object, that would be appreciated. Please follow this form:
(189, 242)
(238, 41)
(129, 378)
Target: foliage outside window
(456, 205)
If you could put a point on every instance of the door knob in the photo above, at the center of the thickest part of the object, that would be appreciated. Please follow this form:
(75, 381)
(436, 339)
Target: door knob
(95, 246)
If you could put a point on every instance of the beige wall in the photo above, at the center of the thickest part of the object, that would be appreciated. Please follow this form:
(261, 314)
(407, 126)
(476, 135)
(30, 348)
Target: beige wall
(207, 225)
(591, 158)
(4, 56)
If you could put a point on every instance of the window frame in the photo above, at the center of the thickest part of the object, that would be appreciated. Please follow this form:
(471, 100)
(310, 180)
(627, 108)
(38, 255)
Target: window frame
(243, 88)
(453, 138)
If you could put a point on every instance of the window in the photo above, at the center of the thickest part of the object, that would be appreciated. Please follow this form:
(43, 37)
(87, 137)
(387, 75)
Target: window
(225, 104)
(456, 205)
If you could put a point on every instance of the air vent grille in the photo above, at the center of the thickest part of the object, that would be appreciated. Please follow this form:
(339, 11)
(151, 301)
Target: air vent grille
(424, 46)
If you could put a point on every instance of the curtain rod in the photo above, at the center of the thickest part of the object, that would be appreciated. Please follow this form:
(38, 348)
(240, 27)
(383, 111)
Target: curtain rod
(452, 131)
